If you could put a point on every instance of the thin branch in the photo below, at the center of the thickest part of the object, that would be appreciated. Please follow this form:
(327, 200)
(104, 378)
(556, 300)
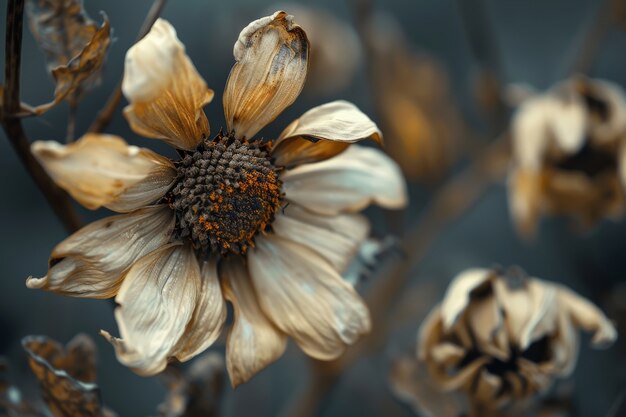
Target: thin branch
(453, 199)
(105, 115)
(71, 119)
(600, 26)
(482, 42)
(56, 197)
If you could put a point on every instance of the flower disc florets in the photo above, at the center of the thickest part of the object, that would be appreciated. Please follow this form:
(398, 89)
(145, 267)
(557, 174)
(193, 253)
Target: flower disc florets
(227, 192)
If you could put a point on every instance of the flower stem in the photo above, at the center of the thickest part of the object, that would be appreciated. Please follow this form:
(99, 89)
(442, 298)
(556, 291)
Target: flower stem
(105, 115)
(56, 197)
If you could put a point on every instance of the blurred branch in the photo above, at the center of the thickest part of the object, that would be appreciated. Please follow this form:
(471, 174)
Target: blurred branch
(599, 28)
(482, 42)
(105, 115)
(56, 197)
(453, 199)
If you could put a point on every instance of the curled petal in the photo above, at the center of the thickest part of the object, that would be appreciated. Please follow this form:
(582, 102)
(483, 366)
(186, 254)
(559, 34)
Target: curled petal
(526, 194)
(323, 132)
(306, 298)
(346, 183)
(165, 91)
(589, 317)
(208, 317)
(272, 55)
(253, 341)
(92, 261)
(102, 170)
(156, 301)
(336, 238)
(458, 295)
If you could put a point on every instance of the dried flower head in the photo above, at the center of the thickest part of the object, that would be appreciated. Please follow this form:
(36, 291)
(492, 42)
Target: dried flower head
(266, 226)
(502, 338)
(568, 154)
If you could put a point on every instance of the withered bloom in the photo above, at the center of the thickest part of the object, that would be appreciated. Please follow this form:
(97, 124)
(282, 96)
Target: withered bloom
(569, 154)
(502, 338)
(266, 226)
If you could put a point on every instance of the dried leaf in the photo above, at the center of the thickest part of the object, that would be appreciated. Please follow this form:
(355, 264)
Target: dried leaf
(74, 45)
(196, 392)
(58, 370)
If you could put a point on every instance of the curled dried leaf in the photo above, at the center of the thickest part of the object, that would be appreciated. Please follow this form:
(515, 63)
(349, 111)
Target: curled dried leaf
(66, 375)
(74, 45)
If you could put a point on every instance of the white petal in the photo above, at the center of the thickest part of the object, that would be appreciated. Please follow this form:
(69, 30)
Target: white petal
(457, 296)
(306, 298)
(336, 238)
(150, 64)
(102, 170)
(92, 261)
(272, 55)
(587, 316)
(323, 132)
(349, 181)
(208, 318)
(165, 91)
(253, 341)
(156, 301)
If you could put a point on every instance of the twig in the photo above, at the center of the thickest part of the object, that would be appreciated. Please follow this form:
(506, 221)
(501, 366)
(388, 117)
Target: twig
(105, 115)
(453, 199)
(71, 119)
(56, 197)
(600, 26)
(483, 45)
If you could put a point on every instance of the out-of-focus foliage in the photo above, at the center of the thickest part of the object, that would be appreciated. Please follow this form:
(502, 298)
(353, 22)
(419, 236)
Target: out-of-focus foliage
(74, 45)
(197, 391)
(66, 375)
(421, 123)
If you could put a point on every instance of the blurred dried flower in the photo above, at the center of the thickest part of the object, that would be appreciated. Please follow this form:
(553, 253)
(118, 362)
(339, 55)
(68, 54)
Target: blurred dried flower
(568, 147)
(12, 404)
(421, 122)
(74, 45)
(66, 375)
(502, 338)
(197, 391)
(336, 52)
(268, 227)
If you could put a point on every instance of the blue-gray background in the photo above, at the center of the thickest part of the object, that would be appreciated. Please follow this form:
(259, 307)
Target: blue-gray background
(536, 40)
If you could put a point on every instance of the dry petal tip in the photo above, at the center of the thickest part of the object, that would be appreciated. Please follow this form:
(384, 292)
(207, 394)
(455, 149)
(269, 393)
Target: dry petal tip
(248, 31)
(150, 64)
(36, 283)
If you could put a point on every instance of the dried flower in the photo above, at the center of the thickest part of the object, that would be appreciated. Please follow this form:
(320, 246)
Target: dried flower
(568, 154)
(502, 338)
(268, 227)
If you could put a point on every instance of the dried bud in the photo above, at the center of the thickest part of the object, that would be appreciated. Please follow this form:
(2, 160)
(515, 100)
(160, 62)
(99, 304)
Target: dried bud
(568, 150)
(502, 338)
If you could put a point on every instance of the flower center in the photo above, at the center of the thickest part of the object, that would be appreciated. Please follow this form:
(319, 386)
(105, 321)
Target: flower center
(227, 192)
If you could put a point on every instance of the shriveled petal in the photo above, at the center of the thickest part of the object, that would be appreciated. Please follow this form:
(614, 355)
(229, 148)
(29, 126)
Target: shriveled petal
(346, 183)
(156, 301)
(102, 170)
(530, 310)
(208, 317)
(336, 238)
(271, 62)
(542, 119)
(165, 91)
(92, 261)
(587, 316)
(306, 298)
(253, 341)
(323, 132)
(458, 295)
(486, 322)
(526, 199)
